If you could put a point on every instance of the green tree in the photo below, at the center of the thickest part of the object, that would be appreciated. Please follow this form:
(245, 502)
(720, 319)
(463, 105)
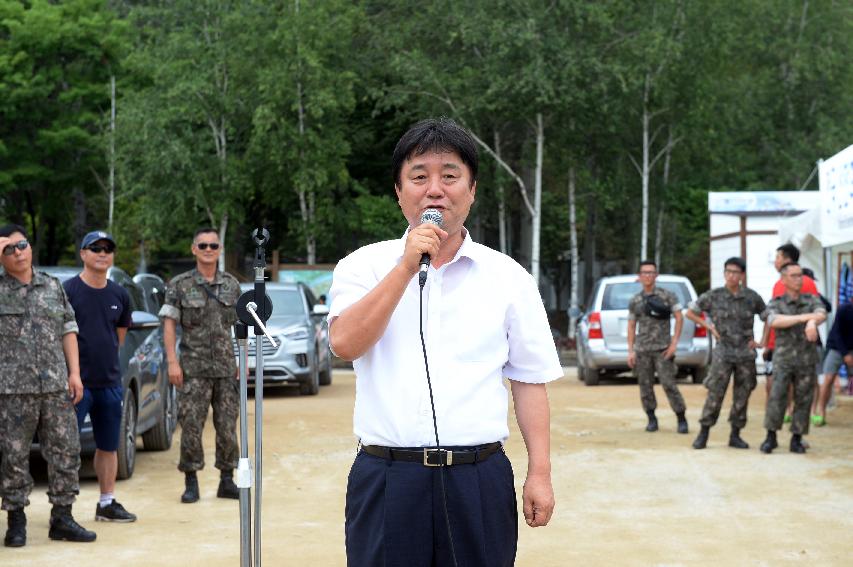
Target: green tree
(55, 65)
(184, 122)
(300, 141)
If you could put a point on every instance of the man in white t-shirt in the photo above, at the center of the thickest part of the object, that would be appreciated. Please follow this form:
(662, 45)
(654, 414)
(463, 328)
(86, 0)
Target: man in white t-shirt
(431, 484)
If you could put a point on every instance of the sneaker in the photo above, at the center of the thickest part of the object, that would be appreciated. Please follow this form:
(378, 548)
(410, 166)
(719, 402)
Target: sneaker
(113, 512)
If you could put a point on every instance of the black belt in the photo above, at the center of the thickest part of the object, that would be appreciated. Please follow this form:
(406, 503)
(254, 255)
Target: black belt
(432, 457)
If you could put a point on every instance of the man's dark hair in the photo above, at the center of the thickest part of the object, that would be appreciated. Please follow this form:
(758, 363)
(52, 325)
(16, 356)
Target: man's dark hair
(10, 229)
(790, 252)
(435, 135)
(736, 261)
(648, 263)
(205, 230)
(784, 269)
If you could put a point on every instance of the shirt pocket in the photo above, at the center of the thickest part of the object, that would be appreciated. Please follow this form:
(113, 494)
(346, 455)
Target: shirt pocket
(192, 311)
(11, 327)
(228, 299)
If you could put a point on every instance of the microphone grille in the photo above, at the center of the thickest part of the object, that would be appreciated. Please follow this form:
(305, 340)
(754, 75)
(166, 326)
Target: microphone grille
(432, 216)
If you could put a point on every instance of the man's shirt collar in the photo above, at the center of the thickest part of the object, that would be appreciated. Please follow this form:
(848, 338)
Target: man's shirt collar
(14, 283)
(468, 249)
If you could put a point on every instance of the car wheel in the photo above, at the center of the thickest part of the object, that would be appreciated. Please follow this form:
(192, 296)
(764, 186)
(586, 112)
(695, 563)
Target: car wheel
(127, 438)
(326, 374)
(159, 437)
(699, 374)
(590, 376)
(311, 387)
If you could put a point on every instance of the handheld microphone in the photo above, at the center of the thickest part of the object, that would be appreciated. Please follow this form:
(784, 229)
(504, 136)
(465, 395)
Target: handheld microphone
(431, 216)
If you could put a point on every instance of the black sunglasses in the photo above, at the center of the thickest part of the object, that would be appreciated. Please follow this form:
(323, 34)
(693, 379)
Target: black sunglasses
(97, 248)
(204, 245)
(9, 249)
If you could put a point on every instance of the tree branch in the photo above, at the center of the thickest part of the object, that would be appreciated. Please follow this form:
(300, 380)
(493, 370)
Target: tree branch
(637, 165)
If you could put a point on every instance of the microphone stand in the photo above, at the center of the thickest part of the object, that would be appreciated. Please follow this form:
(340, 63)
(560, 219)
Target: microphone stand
(253, 309)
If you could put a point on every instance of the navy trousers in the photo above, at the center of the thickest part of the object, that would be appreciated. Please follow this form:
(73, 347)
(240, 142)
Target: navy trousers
(395, 514)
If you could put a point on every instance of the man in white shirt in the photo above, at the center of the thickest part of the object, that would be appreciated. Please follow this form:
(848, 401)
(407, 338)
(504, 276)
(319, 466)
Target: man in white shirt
(409, 503)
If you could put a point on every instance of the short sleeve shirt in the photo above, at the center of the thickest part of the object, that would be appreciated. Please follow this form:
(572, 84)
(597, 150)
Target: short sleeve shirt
(99, 312)
(809, 286)
(33, 320)
(483, 320)
(792, 348)
(733, 314)
(653, 334)
(205, 310)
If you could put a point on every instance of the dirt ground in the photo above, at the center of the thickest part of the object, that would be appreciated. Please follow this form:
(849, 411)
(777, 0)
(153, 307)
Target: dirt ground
(624, 496)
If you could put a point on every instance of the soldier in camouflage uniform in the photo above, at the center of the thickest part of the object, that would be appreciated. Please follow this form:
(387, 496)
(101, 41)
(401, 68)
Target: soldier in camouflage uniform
(651, 349)
(39, 379)
(202, 302)
(794, 317)
(732, 310)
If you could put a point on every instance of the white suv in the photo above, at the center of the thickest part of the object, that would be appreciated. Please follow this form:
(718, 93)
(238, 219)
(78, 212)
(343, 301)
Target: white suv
(603, 330)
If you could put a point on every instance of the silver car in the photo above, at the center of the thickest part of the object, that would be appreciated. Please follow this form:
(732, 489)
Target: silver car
(298, 324)
(602, 340)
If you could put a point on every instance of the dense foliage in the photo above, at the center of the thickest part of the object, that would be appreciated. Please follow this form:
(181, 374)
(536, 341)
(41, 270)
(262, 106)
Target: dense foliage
(285, 112)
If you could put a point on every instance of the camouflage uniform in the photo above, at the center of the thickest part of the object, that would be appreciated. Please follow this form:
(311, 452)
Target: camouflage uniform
(205, 311)
(733, 315)
(794, 361)
(34, 390)
(651, 340)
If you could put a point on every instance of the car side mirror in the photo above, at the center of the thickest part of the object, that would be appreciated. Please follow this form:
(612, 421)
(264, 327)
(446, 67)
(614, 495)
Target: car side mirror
(575, 312)
(320, 309)
(144, 320)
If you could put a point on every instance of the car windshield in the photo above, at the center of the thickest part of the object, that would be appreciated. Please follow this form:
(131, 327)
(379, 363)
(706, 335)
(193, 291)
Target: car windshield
(618, 295)
(286, 302)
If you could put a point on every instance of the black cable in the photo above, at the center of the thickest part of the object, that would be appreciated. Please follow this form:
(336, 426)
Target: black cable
(435, 424)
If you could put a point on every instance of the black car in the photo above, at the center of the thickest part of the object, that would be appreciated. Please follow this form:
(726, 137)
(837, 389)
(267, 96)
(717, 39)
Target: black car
(149, 408)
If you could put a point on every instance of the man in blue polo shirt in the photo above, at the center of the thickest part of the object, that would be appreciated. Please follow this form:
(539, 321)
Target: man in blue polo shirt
(102, 308)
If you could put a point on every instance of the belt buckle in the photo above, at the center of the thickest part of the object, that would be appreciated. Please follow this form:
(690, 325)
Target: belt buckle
(428, 452)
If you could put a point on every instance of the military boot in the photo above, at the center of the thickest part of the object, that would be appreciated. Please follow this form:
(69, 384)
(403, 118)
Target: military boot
(769, 442)
(653, 421)
(702, 439)
(797, 444)
(190, 494)
(227, 488)
(16, 535)
(682, 423)
(64, 527)
(735, 440)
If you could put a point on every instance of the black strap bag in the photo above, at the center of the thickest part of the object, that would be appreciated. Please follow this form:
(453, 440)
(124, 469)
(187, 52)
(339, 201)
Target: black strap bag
(657, 308)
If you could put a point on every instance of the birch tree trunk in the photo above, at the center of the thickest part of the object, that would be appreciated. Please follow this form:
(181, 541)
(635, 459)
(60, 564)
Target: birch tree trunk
(644, 174)
(537, 199)
(659, 232)
(573, 234)
(112, 180)
(659, 238)
(306, 196)
(223, 229)
(501, 201)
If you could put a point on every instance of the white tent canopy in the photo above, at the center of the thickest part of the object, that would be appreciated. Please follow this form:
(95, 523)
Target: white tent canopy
(824, 233)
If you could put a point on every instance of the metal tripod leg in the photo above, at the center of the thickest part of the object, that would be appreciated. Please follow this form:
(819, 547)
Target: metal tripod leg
(244, 467)
(259, 429)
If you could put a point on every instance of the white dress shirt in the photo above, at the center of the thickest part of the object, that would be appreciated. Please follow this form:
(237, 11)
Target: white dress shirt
(483, 320)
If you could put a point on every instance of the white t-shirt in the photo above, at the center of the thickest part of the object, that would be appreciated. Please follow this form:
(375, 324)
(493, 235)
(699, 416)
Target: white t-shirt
(483, 320)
